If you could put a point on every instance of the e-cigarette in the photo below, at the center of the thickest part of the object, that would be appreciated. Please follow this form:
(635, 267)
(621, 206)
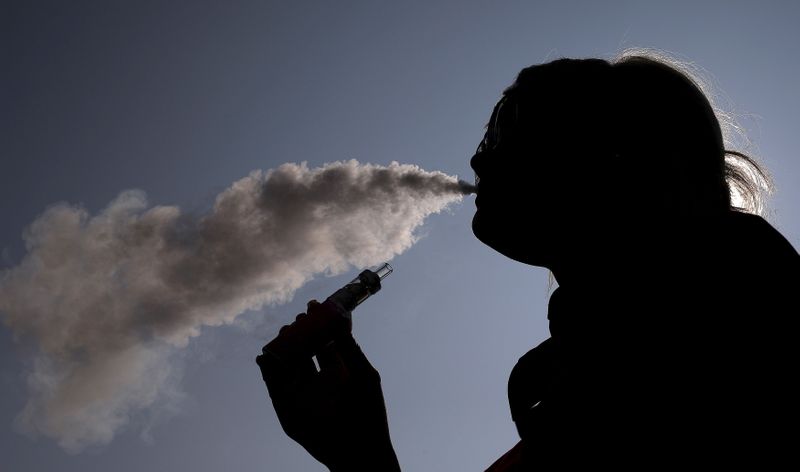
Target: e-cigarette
(368, 282)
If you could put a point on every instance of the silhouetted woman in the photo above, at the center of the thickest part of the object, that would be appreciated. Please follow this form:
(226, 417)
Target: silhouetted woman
(672, 327)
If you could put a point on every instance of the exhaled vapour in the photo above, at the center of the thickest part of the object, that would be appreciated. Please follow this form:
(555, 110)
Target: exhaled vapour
(107, 298)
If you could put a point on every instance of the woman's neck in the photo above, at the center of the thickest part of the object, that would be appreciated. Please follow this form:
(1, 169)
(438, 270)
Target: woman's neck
(637, 255)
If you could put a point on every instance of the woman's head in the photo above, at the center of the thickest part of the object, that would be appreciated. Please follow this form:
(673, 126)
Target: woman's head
(583, 149)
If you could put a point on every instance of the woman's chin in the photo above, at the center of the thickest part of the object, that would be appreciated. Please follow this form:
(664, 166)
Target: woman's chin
(514, 243)
(480, 228)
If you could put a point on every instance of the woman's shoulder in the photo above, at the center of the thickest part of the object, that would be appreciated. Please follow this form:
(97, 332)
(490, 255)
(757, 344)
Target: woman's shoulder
(756, 248)
(752, 230)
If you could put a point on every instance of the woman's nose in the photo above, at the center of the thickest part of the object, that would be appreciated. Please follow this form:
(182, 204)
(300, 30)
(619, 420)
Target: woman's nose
(477, 162)
(474, 162)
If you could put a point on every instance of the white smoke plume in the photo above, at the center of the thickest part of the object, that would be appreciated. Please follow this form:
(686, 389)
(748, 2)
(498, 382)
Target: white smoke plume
(108, 298)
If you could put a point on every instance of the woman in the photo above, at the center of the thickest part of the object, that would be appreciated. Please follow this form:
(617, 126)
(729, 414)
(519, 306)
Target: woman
(671, 328)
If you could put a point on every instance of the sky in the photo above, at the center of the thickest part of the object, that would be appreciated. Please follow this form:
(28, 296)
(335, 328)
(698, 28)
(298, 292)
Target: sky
(182, 98)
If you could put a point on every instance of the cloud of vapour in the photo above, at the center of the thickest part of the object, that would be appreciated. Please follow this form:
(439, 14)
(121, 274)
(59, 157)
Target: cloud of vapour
(108, 298)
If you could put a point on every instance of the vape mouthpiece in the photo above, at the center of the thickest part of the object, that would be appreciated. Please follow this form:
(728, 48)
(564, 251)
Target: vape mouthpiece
(383, 270)
(467, 188)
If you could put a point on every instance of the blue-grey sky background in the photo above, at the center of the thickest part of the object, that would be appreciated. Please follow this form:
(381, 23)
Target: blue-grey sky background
(181, 98)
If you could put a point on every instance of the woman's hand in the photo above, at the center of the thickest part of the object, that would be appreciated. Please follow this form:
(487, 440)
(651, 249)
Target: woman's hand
(337, 413)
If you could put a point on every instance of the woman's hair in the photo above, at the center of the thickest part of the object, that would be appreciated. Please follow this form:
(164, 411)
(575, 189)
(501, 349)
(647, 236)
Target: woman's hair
(646, 116)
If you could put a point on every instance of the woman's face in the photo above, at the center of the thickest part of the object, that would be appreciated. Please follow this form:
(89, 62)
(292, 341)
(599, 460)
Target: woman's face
(531, 202)
(513, 205)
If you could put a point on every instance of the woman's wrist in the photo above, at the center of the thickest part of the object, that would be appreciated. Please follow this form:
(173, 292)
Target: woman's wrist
(373, 458)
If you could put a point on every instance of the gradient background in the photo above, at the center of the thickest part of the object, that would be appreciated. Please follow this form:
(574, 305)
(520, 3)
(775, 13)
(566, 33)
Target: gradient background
(181, 98)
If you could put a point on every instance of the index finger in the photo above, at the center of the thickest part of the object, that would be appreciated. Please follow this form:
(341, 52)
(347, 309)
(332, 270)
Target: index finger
(310, 332)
